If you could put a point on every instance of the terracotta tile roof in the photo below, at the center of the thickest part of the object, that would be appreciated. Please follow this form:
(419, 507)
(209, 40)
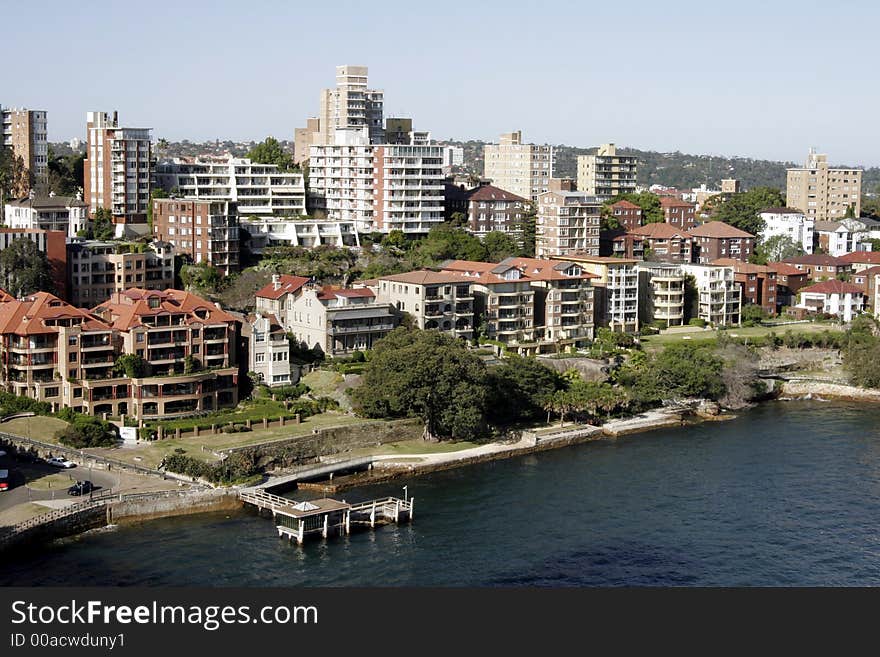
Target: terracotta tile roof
(741, 267)
(815, 259)
(660, 230)
(862, 257)
(544, 270)
(673, 202)
(492, 193)
(783, 269)
(718, 230)
(5, 296)
(351, 293)
(626, 205)
(287, 284)
(478, 272)
(871, 271)
(423, 277)
(125, 310)
(832, 287)
(37, 313)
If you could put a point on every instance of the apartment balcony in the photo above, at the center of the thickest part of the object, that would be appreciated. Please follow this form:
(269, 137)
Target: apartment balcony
(102, 361)
(361, 328)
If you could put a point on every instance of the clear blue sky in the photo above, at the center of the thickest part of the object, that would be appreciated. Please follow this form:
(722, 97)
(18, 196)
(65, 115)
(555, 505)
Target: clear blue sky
(736, 78)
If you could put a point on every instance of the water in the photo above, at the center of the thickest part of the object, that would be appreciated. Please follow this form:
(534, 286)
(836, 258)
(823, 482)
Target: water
(788, 494)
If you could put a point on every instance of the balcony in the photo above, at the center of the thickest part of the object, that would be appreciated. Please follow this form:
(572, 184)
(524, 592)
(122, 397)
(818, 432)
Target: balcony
(361, 328)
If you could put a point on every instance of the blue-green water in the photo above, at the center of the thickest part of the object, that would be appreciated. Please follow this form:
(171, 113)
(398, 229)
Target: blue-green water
(787, 494)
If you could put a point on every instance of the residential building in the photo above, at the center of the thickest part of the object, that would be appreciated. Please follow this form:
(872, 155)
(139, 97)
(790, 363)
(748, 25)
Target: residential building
(278, 231)
(869, 281)
(716, 239)
(256, 189)
(789, 279)
(567, 221)
(621, 244)
(489, 208)
(268, 350)
(718, 295)
(861, 260)
(845, 300)
(666, 242)
(25, 131)
(616, 301)
(435, 300)
(661, 294)
(536, 305)
(758, 283)
(277, 298)
(820, 267)
(351, 105)
(201, 231)
(822, 192)
(67, 214)
(65, 356)
(118, 172)
(731, 186)
(627, 215)
(678, 213)
(379, 187)
(49, 242)
(453, 157)
(837, 238)
(790, 223)
(96, 270)
(522, 169)
(607, 173)
(303, 138)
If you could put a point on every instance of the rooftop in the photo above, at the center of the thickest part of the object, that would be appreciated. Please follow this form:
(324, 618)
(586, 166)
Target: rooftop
(718, 230)
(832, 287)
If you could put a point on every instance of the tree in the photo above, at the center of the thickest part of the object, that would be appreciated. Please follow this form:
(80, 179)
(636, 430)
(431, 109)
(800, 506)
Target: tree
(202, 277)
(649, 203)
(269, 151)
(525, 227)
(742, 210)
(66, 173)
(500, 246)
(777, 248)
(239, 289)
(458, 219)
(158, 192)
(24, 268)
(752, 314)
(691, 298)
(100, 227)
(428, 375)
(132, 366)
(86, 431)
(519, 387)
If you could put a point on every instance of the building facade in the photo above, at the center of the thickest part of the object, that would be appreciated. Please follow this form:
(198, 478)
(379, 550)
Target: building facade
(489, 208)
(661, 294)
(26, 133)
(716, 239)
(118, 172)
(820, 267)
(352, 105)
(790, 223)
(202, 231)
(837, 238)
(49, 242)
(522, 169)
(824, 193)
(436, 300)
(264, 232)
(567, 221)
(607, 173)
(97, 270)
(845, 300)
(678, 213)
(757, 283)
(666, 242)
(66, 214)
(789, 280)
(628, 215)
(268, 350)
(616, 281)
(719, 297)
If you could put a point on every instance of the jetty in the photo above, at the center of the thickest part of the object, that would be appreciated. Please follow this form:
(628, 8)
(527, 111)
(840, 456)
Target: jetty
(325, 516)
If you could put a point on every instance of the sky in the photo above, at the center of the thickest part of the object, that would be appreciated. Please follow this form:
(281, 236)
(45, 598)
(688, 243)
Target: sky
(764, 79)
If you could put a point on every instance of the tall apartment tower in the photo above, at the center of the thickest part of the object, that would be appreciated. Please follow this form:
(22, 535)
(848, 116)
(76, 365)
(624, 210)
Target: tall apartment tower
(25, 132)
(352, 105)
(118, 172)
(522, 169)
(606, 173)
(567, 222)
(821, 192)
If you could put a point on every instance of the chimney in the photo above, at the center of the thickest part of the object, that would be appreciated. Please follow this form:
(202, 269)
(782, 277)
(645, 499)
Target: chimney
(115, 119)
(276, 282)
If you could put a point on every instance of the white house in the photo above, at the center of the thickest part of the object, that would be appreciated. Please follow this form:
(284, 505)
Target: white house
(833, 297)
(720, 298)
(791, 223)
(63, 213)
(840, 237)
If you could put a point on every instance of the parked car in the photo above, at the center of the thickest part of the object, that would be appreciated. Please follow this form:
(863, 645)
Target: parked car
(60, 462)
(4, 480)
(81, 488)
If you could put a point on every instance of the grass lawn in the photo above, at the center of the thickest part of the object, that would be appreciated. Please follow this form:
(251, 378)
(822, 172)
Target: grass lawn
(656, 341)
(20, 513)
(54, 481)
(323, 383)
(413, 447)
(38, 427)
(254, 410)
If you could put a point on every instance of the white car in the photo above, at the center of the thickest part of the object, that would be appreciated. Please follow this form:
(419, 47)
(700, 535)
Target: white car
(59, 462)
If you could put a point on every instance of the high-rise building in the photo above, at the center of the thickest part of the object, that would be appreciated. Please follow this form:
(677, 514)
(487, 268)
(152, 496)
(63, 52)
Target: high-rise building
(25, 132)
(303, 138)
(380, 187)
(351, 105)
(118, 172)
(567, 221)
(202, 230)
(824, 193)
(606, 173)
(523, 169)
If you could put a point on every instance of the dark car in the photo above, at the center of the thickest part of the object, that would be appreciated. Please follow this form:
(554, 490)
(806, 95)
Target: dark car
(81, 488)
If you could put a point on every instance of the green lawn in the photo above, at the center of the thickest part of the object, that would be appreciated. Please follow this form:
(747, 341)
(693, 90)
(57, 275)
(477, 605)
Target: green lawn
(254, 410)
(699, 335)
(39, 427)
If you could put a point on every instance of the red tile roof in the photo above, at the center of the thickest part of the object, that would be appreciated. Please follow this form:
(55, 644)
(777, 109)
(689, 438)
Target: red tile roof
(626, 205)
(5, 296)
(660, 231)
(492, 193)
(125, 310)
(423, 277)
(286, 285)
(815, 259)
(545, 270)
(832, 287)
(331, 293)
(862, 257)
(37, 314)
(783, 269)
(718, 230)
(673, 202)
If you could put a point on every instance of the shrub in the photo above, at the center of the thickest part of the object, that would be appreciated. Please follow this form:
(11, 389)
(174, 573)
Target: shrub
(86, 431)
(697, 321)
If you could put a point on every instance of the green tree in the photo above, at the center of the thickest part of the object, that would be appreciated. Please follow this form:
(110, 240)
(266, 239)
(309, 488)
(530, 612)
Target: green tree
(428, 375)
(500, 246)
(445, 242)
(202, 277)
(776, 248)
(458, 219)
(269, 151)
(87, 431)
(158, 192)
(132, 366)
(648, 202)
(752, 314)
(24, 268)
(743, 210)
(100, 227)
(525, 228)
(518, 388)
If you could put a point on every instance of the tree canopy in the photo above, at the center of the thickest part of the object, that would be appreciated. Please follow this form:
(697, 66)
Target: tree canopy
(24, 269)
(652, 213)
(776, 248)
(742, 210)
(269, 151)
(519, 387)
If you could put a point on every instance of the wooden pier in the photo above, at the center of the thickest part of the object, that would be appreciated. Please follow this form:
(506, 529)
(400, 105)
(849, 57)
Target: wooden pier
(326, 516)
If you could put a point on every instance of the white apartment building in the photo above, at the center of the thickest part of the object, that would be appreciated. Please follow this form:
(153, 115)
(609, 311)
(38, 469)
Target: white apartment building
(523, 169)
(378, 187)
(606, 174)
(453, 156)
(567, 222)
(268, 350)
(118, 172)
(837, 238)
(436, 300)
(62, 213)
(720, 299)
(823, 192)
(791, 223)
(616, 281)
(833, 297)
(257, 189)
(661, 293)
(274, 231)
(26, 133)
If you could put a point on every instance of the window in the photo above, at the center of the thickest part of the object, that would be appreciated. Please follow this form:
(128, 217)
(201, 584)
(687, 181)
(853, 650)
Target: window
(71, 340)
(260, 357)
(71, 357)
